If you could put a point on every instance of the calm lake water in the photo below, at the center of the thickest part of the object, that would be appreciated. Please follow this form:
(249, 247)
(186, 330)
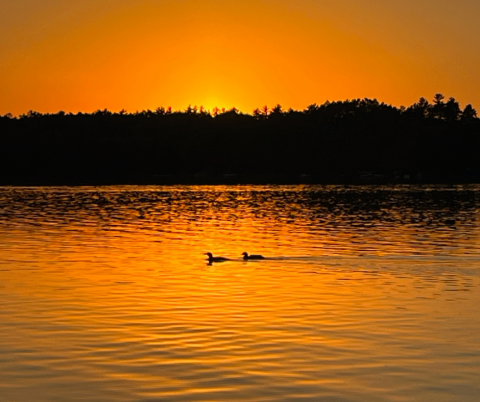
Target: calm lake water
(367, 294)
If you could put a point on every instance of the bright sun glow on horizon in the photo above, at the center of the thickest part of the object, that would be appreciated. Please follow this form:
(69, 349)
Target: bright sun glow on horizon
(85, 55)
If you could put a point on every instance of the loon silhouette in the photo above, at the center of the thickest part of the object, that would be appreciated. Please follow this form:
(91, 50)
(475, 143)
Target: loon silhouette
(211, 258)
(252, 257)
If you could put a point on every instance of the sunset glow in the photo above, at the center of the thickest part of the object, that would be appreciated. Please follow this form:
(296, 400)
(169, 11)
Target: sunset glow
(85, 55)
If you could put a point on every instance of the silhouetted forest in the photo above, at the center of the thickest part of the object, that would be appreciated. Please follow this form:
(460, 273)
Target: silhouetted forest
(352, 141)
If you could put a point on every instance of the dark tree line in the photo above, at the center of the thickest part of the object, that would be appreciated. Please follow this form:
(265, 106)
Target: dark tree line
(332, 142)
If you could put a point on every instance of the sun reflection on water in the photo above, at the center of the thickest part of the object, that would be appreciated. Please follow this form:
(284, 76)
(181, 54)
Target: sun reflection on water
(365, 293)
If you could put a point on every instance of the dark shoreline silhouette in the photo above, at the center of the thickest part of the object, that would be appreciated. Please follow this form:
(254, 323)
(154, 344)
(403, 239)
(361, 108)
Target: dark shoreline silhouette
(353, 141)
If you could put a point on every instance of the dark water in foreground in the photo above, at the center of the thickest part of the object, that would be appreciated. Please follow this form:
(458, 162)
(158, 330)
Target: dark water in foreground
(368, 294)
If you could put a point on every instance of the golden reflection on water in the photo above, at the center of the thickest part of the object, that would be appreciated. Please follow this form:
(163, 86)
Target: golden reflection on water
(366, 294)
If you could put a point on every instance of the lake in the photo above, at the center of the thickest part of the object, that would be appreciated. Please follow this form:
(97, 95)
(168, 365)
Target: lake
(366, 293)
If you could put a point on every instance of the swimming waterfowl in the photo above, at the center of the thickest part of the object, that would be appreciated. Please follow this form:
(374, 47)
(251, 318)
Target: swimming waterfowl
(252, 257)
(211, 258)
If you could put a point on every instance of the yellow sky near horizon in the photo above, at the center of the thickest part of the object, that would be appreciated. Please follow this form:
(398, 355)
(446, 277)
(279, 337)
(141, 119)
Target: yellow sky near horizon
(85, 55)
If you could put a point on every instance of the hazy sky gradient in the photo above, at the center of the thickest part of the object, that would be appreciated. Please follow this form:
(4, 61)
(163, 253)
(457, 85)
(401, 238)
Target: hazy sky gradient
(84, 55)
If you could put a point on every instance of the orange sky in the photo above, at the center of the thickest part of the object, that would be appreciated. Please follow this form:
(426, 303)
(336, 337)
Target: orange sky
(84, 55)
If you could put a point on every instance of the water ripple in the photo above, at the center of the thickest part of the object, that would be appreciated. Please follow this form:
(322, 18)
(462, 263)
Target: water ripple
(367, 293)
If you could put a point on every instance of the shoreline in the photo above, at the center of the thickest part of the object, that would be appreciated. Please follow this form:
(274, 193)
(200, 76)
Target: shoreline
(230, 179)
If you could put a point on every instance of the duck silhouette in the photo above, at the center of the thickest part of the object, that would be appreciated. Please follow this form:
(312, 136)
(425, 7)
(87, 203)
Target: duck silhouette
(252, 257)
(211, 258)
